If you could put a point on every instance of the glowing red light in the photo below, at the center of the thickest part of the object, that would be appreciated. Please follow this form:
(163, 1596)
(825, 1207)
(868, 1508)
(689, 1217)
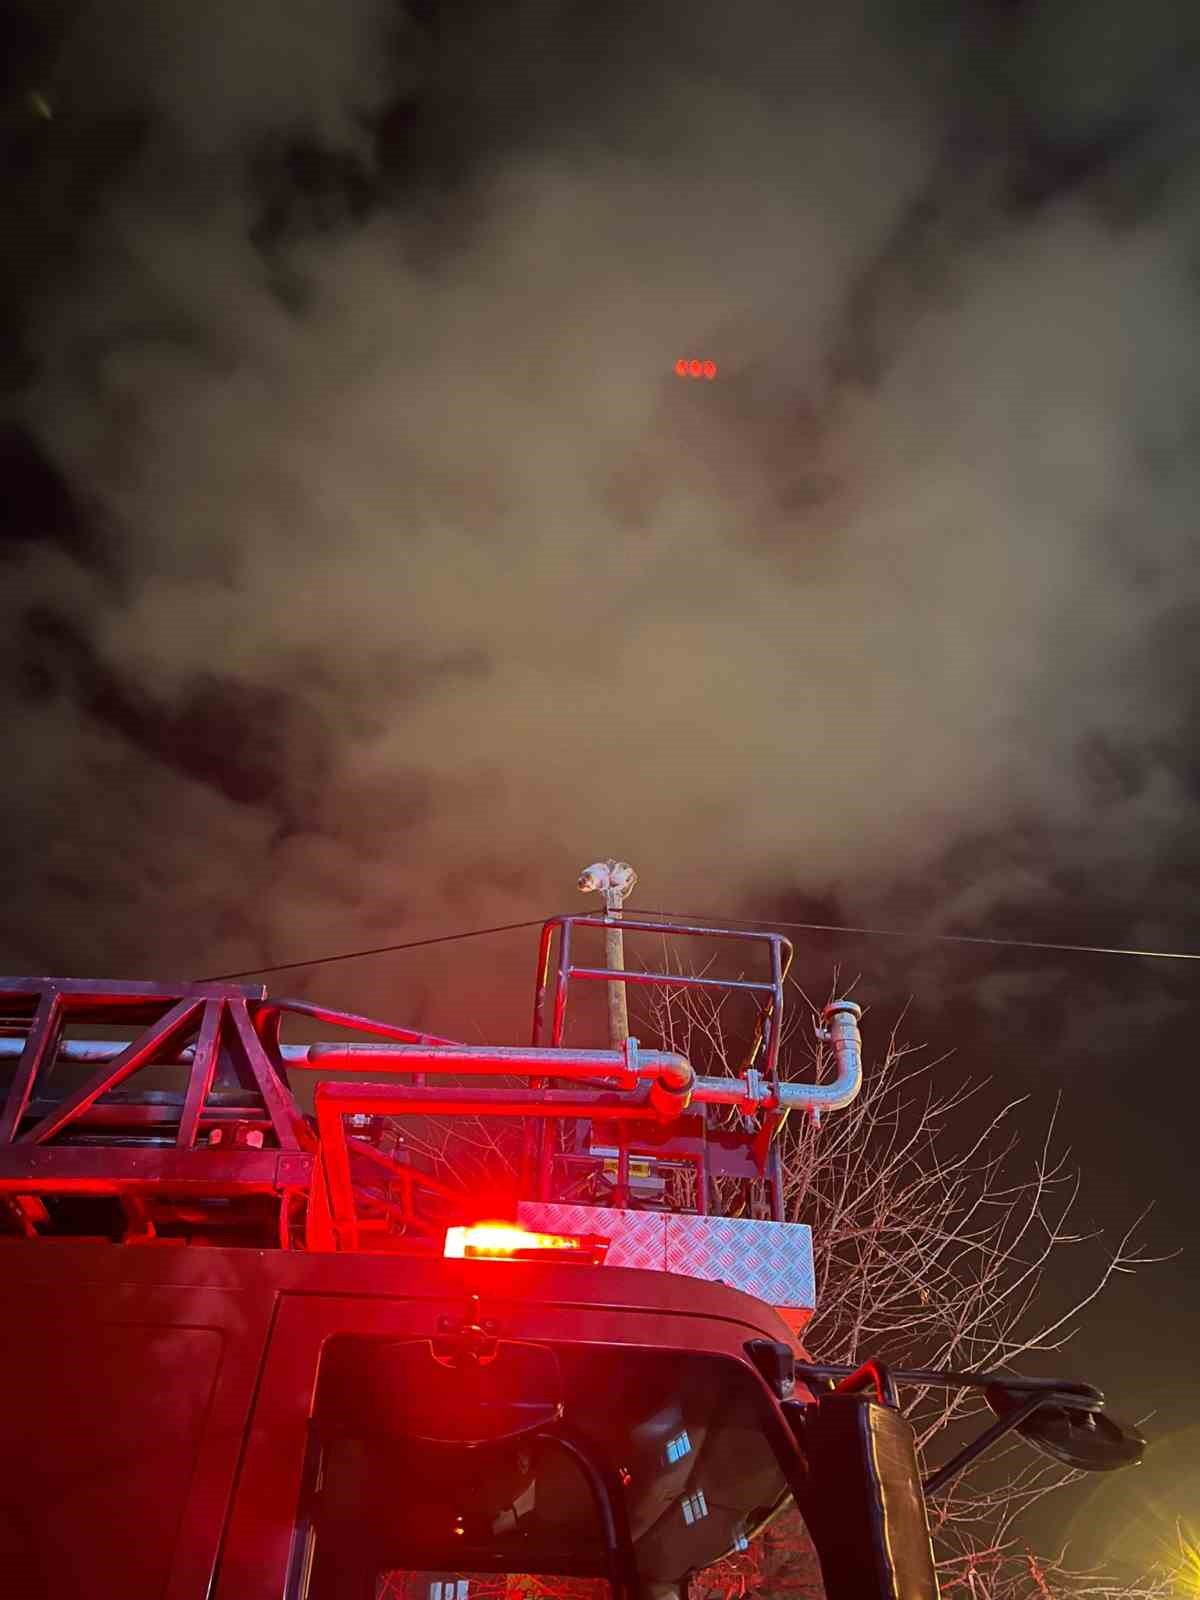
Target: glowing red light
(694, 368)
(500, 1239)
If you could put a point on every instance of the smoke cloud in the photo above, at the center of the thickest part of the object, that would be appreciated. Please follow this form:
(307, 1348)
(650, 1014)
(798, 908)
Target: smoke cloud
(396, 575)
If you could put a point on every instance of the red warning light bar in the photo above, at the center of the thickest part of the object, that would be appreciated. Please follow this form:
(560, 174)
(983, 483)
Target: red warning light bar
(504, 1241)
(692, 368)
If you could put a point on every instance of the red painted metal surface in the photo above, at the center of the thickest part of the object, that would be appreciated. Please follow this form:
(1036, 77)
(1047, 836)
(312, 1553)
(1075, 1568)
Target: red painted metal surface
(229, 1130)
(155, 1444)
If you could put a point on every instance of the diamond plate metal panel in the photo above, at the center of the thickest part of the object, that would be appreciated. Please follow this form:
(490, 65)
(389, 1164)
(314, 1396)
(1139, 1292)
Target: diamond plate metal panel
(770, 1260)
(636, 1238)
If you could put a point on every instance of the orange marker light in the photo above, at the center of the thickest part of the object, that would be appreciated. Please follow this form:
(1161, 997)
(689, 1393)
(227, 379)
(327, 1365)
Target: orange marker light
(694, 368)
(504, 1239)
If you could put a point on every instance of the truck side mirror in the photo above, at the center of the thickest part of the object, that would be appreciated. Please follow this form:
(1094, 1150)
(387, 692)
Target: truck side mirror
(1088, 1440)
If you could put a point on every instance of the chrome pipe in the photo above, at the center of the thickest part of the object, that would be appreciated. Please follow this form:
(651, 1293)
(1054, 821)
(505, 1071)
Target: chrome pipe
(670, 1074)
(752, 1091)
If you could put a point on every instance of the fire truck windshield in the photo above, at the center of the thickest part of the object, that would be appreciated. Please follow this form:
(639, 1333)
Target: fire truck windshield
(655, 1459)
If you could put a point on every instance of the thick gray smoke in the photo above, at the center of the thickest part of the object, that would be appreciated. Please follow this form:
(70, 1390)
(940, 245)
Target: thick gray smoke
(417, 579)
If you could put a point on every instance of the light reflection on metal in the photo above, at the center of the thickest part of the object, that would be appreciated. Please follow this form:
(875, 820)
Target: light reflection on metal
(694, 1506)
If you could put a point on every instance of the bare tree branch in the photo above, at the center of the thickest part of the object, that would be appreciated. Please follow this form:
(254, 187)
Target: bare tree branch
(935, 1239)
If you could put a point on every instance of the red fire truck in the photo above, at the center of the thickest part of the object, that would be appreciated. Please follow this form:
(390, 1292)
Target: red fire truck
(258, 1349)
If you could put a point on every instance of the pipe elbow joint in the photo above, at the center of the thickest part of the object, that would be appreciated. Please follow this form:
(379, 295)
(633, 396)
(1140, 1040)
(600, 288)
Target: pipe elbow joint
(668, 1100)
(672, 1080)
(841, 1031)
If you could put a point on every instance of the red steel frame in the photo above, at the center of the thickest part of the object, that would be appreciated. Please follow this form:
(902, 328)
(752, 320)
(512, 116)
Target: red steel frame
(286, 1156)
(186, 1025)
(160, 1150)
(170, 1015)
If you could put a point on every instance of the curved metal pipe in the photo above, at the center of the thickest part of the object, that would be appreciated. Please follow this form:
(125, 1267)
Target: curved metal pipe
(673, 1082)
(753, 1092)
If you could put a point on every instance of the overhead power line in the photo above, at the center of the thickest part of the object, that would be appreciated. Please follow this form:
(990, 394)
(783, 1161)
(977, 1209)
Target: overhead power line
(376, 950)
(944, 938)
(913, 934)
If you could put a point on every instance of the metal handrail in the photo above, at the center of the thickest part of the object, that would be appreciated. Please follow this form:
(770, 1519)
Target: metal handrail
(771, 1015)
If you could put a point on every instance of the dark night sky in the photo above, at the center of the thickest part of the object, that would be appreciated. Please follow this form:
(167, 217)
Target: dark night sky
(366, 570)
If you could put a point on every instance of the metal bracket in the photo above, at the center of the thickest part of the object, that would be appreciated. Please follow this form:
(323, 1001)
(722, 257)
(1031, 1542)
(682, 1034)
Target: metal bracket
(472, 1338)
(1028, 1396)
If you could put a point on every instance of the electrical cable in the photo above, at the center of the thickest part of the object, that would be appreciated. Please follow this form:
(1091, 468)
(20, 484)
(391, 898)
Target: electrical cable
(936, 938)
(766, 923)
(376, 950)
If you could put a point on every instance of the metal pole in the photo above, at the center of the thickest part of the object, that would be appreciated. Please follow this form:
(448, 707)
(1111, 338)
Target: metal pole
(614, 960)
(615, 881)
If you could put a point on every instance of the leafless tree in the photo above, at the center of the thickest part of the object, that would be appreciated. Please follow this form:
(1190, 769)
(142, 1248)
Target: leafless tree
(936, 1234)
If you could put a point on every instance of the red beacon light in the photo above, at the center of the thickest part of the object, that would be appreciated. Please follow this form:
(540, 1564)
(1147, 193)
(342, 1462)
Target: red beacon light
(693, 368)
(505, 1241)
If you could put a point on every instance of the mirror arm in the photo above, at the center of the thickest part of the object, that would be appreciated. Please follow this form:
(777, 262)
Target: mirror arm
(1029, 1395)
(972, 1451)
